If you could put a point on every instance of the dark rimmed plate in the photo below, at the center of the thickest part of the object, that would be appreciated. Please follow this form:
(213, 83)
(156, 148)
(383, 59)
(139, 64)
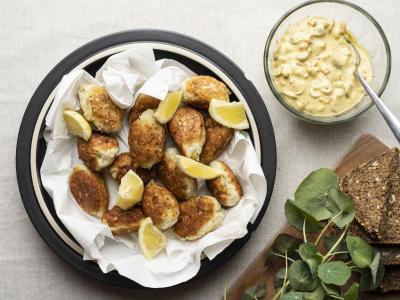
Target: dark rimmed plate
(31, 146)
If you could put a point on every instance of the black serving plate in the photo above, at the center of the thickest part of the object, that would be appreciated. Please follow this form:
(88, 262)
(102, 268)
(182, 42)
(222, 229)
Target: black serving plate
(31, 145)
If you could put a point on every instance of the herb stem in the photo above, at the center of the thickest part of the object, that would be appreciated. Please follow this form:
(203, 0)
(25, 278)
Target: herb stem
(336, 297)
(338, 252)
(304, 231)
(286, 271)
(278, 294)
(283, 256)
(320, 236)
(336, 244)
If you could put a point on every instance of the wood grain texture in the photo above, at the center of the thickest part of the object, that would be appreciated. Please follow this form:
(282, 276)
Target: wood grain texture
(264, 267)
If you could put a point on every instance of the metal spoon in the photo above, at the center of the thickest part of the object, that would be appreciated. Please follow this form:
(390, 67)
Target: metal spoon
(390, 119)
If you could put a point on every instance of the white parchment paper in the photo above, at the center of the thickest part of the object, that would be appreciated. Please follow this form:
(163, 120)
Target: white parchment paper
(125, 75)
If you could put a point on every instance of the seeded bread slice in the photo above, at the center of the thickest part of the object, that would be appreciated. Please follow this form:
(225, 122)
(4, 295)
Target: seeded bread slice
(391, 281)
(369, 187)
(392, 220)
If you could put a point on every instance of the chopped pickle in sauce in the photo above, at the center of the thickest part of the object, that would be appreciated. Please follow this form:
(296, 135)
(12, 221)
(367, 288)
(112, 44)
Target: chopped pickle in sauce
(313, 67)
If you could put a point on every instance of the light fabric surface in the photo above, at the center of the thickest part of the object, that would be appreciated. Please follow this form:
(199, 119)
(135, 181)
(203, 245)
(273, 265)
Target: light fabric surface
(35, 35)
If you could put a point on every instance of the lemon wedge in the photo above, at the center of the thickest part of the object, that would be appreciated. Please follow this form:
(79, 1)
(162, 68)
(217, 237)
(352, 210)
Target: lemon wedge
(151, 239)
(167, 108)
(229, 114)
(77, 125)
(195, 169)
(130, 190)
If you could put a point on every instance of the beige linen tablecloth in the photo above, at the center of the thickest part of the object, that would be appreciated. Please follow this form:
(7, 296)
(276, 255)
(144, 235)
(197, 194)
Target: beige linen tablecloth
(35, 35)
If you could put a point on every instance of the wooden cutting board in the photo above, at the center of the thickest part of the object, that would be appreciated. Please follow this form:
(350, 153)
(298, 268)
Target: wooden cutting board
(364, 149)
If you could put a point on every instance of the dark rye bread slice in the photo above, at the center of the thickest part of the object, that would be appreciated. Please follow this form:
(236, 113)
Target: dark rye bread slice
(369, 187)
(392, 220)
(391, 280)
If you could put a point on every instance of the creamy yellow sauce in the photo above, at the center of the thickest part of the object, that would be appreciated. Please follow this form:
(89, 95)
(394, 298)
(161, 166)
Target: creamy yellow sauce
(313, 67)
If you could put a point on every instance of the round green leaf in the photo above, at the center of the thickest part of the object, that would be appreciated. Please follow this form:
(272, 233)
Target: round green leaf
(292, 296)
(331, 289)
(311, 194)
(295, 216)
(317, 184)
(256, 292)
(317, 294)
(345, 206)
(300, 277)
(285, 243)
(336, 272)
(360, 251)
(279, 278)
(352, 292)
(309, 254)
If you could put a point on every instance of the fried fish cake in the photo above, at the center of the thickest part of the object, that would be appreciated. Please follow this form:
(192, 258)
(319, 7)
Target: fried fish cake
(121, 165)
(124, 162)
(89, 189)
(198, 216)
(98, 108)
(174, 179)
(147, 140)
(142, 103)
(98, 152)
(188, 132)
(217, 139)
(122, 222)
(198, 91)
(226, 188)
(160, 205)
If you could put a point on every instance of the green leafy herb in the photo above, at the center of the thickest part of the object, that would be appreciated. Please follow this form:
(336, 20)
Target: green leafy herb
(371, 276)
(331, 289)
(295, 216)
(279, 278)
(300, 277)
(285, 243)
(256, 292)
(360, 251)
(317, 185)
(328, 243)
(352, 292)
(315, 207)
(293, 296)
(336, 272)
(317, 294)
(342, 207)
(309, 254)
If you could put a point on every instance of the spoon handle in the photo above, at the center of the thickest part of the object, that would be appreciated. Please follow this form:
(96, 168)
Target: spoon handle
(389, 117)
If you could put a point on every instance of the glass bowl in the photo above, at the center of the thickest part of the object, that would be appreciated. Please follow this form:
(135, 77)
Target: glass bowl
(366, 30)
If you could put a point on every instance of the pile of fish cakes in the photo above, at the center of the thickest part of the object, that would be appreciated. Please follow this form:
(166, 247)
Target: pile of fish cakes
(170, 196)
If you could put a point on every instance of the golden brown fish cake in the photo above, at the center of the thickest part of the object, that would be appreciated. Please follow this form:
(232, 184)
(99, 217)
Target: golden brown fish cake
(160, 205)
(198, 91)
(142, 103)
(122, 222)
(121, 165)
(226, 188)
(198, 216)
(89, 189)
(98, 152)
(98, 108)
(147, 140)
(218, 138)
(174, 179)
(124, 162)
(187, 130)
(147, 174)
